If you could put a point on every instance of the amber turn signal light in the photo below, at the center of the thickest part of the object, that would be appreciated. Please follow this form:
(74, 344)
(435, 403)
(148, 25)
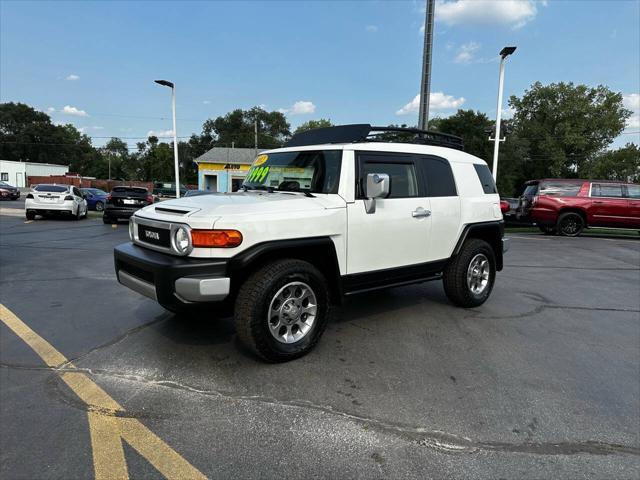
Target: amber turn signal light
(216, 238)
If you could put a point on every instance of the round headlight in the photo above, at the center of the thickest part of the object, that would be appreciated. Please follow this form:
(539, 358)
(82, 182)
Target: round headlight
(131, 228)
(181, 240)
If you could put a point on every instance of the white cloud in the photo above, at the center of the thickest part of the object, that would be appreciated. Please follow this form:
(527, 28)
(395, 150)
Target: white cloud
(51, 110)
(437, 101)
(160, 133)
(514, 13)
(72, 77)
(371, 28)
(206, 102)
(97, 127)
(466, 52)
(301, 107)
(69, 110)
(631, 101)
(508, 113)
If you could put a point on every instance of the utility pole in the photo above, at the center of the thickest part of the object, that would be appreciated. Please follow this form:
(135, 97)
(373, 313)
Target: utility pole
(425, 84)
(166, 83)
(255, 135)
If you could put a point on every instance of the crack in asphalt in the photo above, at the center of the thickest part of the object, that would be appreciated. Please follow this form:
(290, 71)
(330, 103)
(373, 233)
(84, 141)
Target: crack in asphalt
(432, 439)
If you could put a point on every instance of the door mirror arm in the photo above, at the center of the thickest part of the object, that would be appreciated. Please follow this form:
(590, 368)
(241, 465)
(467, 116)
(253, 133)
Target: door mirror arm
(377, 187)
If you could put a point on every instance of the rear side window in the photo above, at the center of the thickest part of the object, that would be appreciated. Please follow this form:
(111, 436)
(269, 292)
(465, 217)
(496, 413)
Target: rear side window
(560, 189)
(51, 188)
(606, 190)
(633, 191)
(439, 177)
(486, 179)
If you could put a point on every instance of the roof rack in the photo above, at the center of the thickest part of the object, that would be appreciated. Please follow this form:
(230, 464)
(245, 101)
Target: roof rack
(363, 132)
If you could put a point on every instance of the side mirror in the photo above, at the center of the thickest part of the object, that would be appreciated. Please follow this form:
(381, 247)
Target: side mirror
(377, 186)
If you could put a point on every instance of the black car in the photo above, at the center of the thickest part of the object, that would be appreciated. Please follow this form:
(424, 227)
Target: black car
(9, 191)
(123, 202)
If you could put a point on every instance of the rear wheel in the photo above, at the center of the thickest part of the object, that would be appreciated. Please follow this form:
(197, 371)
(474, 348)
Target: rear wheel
(468, 279)
(282, 310)
(99, 206)
(78, 214)
(570, 224)
(31, 215)
(106, 219)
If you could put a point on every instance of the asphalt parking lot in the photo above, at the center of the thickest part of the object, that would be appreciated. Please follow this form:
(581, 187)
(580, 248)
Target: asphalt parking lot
(543, 381)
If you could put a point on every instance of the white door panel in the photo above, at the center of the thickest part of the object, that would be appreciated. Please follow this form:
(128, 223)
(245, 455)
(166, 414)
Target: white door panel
(391, 237)
(445, 218)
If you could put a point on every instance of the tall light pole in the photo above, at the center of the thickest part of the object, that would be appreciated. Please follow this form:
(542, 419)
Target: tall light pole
(425, 84)
(166, 83)
(504, 53)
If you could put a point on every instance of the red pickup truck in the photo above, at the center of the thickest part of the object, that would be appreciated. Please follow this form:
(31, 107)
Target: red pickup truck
(568, 206)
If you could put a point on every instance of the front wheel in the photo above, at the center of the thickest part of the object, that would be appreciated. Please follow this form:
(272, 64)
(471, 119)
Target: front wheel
(570, 224)
(281, 310)
(468, 279)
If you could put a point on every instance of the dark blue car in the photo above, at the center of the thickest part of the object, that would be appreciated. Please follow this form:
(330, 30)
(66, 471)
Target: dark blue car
(95, 198)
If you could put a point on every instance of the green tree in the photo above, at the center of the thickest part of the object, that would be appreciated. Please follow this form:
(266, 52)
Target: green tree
(237, 128)
(566, 125)
(621, 164)
(27, 134)
(311, 124)
(473, 127)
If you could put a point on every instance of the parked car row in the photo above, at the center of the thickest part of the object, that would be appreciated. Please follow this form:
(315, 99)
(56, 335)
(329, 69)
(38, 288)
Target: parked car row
(568, 206)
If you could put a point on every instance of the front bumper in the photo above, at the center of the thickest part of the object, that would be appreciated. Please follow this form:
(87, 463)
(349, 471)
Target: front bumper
(170, 280)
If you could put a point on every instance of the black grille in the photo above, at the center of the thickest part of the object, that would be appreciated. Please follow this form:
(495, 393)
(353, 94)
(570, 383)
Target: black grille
(154, 236)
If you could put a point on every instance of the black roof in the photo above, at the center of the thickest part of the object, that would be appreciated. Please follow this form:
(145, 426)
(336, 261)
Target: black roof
(363, 132)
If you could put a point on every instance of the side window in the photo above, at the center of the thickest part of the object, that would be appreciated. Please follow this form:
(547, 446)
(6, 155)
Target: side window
(76, 192)
(4, 176)
(560, 189)
(403, 178)
(606, 190)
(438, 177)
(633, 191)
(485, 177)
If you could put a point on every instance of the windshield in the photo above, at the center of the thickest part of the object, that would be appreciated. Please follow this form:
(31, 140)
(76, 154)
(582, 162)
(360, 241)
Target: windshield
(310, 171)
(530, 191)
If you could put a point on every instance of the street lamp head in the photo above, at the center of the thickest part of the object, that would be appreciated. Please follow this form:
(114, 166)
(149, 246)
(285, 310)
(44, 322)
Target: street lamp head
(164, 83)
(506, 51)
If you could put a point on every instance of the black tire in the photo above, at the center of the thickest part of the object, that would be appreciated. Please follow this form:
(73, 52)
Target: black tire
(77, 215)
(454, 277)
(99, 206)
(31, 215)
(106, 219)
(547, 230)
(254, 300)
(570, 224)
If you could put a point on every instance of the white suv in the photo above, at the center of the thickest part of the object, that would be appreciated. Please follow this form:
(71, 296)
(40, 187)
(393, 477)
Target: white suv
(47, 199)
(334, 213)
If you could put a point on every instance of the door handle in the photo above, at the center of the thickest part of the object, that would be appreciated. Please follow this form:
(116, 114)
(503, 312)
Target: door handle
(598, 202)
(420, 212)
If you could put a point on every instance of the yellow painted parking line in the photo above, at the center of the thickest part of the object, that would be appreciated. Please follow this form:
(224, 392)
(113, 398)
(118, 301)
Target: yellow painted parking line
(107, 429)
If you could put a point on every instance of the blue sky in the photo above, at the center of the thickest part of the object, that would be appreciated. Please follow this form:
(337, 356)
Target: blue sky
(350, 61)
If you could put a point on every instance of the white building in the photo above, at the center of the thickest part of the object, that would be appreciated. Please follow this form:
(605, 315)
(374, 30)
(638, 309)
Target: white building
(16, 173)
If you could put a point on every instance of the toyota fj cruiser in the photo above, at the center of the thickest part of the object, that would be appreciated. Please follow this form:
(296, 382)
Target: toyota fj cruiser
(336, 212)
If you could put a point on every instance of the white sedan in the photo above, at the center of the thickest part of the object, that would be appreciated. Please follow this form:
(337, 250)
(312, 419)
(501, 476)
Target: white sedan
(47, 199)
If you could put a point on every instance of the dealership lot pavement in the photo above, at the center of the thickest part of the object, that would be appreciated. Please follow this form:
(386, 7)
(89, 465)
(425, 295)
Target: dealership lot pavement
(542, 381)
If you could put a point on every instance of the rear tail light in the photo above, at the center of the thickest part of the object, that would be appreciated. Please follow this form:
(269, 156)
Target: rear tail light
(29, 195)
(68, 197)
(216, 238)
(504, 206)
(109, 198)
(150, 198)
